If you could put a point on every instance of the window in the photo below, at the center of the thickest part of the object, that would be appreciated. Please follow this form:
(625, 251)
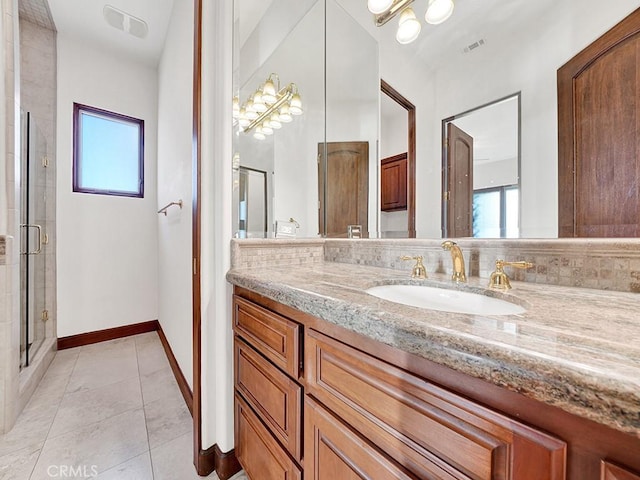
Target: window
(495, 212)
(108, 152)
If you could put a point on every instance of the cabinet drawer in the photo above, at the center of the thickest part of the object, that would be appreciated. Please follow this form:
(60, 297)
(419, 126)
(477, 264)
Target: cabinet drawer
(422, 426)
(276, 337)
(275, 398)
(339, 453)
(609, 471)
(257, 451)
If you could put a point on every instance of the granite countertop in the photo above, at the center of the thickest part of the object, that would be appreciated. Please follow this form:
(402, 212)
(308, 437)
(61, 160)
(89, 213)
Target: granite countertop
(577, 349)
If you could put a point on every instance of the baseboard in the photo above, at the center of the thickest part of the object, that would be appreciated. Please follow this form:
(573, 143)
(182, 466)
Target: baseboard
(107, 334)
(187, 394)
(225, 464)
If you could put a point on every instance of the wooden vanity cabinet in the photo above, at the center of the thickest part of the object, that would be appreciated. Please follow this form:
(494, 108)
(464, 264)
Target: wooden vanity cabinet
(313, 400)
(268, 395)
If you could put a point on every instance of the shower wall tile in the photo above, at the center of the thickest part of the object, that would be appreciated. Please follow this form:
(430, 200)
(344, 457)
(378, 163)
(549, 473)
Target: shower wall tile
(38, 92)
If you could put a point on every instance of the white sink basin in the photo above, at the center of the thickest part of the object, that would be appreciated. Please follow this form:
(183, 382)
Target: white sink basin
(445, 300)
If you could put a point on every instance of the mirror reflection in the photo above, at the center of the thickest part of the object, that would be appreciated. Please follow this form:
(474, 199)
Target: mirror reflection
(483, 52)
(481, 171)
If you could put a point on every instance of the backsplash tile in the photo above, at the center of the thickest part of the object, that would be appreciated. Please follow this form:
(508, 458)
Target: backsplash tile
(271, 253)
(604, 264)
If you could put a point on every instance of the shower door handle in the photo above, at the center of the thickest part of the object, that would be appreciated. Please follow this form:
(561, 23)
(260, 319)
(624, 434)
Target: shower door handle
(39, 229)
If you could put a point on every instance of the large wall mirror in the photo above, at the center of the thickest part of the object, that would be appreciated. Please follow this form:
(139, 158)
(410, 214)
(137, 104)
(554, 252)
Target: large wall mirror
(486, 51)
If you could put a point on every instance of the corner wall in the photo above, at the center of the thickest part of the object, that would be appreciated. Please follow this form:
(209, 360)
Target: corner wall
(107, 273)
(175, 120)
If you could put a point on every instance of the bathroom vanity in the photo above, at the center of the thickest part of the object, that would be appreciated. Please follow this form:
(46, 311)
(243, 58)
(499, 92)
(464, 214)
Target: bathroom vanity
(331, 382)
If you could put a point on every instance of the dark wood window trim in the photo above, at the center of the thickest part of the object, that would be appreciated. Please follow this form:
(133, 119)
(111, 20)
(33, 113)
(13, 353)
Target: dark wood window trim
(78, 109)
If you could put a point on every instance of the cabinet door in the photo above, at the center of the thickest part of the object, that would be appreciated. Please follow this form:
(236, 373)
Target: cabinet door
(610, 471)
(260, 455)
(393, 173)
(334, 452)
(424, 427)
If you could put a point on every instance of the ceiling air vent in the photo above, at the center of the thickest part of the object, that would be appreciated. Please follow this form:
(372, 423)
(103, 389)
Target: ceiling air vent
(125, 22)
(474, 45)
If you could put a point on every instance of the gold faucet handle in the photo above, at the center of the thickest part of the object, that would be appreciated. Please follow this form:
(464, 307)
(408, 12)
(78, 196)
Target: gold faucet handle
(419, 270)
(499, 280)
(514, 264)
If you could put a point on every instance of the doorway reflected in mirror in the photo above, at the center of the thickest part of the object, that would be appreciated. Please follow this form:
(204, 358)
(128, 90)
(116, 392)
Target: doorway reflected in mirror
(481, 171)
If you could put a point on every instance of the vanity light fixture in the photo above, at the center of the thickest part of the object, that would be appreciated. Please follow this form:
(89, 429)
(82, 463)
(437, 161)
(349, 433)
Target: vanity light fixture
(268, 108)
(409, 27)
(438, 11)
(379, 6)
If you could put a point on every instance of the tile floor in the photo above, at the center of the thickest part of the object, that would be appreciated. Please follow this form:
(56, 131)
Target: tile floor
(111, 411)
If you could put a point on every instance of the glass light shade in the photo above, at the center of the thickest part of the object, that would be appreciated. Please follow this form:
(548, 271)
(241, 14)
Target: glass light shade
(295, 105)
(438, 11)
(266, 129)
(258, 134)
(274, 121)
(408, 27)
(285, 115)
(269, 92)
(236, 107)
(258, 104)
(242, 118)
(379, 6)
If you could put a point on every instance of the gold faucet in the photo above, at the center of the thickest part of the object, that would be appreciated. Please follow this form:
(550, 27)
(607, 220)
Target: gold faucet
(418, 270)
(499, 279)
(458, 261)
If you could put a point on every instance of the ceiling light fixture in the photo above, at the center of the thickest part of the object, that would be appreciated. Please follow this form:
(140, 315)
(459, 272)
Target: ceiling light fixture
(438, 11)
(394, 8)
(268, 108)
(379, 6)
(408, 26)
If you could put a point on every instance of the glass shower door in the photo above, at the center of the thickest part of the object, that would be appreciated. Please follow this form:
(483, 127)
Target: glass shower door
(33, 219)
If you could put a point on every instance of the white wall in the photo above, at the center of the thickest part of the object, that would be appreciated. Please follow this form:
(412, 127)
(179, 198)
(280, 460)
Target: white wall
(175, 87)
(217, 337)
(107, 270)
